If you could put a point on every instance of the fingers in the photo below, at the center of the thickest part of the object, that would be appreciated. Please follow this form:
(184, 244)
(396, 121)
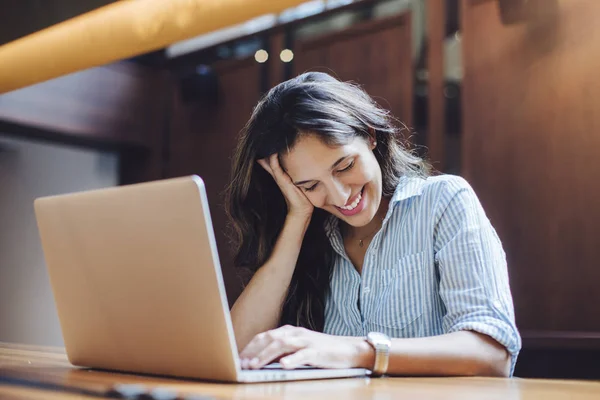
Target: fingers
(278, 169)
(263, 339)
(280, 175)
(264, 163)
(272, 166)
(276, 349)
(296, 200)
(274, 163)
(268, 346)
(305, 356)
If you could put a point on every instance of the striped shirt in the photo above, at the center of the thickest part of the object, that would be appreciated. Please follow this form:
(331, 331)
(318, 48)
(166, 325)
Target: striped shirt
(436, 266)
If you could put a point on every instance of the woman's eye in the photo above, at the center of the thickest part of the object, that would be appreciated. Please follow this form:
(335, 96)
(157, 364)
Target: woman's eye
(349, 167)
(310, 189)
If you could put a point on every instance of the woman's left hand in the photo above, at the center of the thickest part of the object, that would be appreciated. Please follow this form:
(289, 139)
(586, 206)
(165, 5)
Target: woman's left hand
(294, 347)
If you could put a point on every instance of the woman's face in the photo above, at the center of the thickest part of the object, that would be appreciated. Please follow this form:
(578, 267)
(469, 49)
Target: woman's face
(342, 180)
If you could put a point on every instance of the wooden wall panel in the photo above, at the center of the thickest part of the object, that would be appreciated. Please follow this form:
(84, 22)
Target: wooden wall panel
(202, 143)
(118, 104)
(531, 150)
(377, 54)
(436, 100)
(275, 66)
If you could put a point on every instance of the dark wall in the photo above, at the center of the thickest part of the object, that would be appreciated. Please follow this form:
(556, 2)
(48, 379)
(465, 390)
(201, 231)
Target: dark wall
(376, 54)
(530, 148)
(116, 103)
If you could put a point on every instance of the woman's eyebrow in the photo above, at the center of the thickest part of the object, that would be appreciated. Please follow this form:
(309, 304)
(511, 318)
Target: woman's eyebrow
(335, 164)
(303, 182)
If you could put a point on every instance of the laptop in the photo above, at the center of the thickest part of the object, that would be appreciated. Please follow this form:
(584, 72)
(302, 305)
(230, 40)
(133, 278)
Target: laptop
(138, 285)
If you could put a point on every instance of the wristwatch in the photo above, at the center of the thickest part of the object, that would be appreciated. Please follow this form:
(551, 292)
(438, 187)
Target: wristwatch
(382, 344)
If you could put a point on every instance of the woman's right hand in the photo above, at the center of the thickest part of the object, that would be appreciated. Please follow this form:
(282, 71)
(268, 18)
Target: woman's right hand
(298, 204)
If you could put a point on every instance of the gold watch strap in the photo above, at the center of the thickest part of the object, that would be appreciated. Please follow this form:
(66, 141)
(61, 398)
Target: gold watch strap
(382, 359)
(381, 343)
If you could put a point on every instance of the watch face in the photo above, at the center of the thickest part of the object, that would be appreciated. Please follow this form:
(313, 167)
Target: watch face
(377, 338)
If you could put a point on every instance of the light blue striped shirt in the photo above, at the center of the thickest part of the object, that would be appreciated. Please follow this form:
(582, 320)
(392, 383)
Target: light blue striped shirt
(436, 266)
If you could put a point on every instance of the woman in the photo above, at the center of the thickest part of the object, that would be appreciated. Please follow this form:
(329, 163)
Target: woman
(350, 237)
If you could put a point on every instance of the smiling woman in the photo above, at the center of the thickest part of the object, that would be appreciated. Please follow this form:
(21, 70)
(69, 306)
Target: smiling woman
(353, 242)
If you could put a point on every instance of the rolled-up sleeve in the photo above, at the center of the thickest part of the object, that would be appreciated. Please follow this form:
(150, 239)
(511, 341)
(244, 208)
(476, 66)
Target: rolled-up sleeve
(474, 283)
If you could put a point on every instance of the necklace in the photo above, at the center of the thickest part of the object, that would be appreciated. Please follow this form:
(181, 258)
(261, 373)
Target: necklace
(361, 242)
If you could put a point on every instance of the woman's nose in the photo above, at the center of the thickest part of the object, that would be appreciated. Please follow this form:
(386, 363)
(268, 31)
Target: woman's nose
(338, 194)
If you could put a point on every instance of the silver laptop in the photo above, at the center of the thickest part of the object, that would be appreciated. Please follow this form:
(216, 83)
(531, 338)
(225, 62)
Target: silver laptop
(138, 285)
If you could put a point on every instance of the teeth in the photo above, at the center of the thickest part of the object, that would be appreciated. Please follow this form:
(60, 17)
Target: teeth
(354, 203)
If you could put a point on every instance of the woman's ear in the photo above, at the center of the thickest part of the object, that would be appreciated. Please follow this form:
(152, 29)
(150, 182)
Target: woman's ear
(372, 139)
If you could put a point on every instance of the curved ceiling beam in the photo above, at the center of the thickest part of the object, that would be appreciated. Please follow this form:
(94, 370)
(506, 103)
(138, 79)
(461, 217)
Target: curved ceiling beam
(117, 31)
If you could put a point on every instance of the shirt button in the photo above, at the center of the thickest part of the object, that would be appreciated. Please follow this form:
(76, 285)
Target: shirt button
(366, 290)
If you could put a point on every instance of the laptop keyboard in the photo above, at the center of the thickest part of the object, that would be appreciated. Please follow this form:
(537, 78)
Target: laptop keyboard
(277, 366)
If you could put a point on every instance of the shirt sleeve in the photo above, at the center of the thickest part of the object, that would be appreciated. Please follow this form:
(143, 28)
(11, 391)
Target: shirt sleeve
(474, 283)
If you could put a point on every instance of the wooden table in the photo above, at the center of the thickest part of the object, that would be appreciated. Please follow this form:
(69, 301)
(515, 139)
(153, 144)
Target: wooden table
(20, 366)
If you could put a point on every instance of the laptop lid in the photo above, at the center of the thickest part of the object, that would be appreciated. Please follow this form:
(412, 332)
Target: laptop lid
(137, 280)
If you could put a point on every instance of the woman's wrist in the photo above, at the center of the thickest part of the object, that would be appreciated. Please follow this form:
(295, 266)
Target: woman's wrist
(302, 220)
(364, 353)
(289, 242)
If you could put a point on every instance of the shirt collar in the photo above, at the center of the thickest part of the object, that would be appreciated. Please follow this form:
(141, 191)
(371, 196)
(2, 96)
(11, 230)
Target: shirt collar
(331, 225)
(407, 187)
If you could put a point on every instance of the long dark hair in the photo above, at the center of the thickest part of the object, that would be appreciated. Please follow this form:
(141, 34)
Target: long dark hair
(336, 112)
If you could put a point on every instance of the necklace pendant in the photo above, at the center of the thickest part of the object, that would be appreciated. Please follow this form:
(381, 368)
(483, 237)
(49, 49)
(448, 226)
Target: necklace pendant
(360, 242)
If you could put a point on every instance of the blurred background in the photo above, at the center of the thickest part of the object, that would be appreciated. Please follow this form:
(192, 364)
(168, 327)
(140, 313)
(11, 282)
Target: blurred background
(502, 92)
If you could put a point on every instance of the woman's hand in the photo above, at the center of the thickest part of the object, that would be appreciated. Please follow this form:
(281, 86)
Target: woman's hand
(297, 202)
(294, 347)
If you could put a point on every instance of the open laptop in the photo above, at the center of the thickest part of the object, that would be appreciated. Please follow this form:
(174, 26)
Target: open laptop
(138, 285)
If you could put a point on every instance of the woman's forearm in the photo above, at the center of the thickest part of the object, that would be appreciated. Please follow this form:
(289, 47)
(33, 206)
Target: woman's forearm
(463, 353)
(258, 308)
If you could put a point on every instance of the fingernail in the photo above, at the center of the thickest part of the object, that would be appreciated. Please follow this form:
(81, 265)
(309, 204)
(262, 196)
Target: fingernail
(254, 362)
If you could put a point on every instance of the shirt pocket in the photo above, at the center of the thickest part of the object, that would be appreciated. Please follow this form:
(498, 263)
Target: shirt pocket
(400, 293)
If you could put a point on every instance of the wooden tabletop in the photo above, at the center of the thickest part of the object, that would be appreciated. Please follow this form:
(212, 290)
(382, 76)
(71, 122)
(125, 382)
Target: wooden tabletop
(34, 373)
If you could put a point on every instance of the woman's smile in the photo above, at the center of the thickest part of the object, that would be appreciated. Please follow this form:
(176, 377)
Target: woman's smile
(356, 205)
